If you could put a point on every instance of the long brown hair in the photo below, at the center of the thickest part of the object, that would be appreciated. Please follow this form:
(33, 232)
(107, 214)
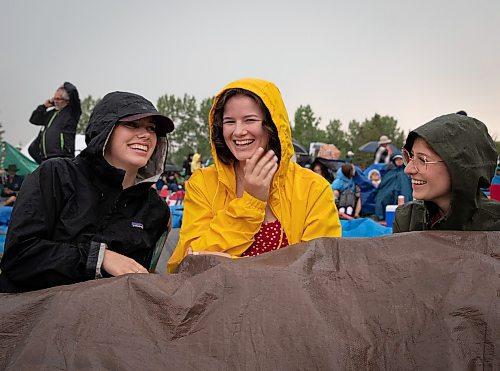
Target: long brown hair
(221, 149)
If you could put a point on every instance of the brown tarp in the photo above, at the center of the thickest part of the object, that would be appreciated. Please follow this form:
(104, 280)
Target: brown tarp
(415, 301)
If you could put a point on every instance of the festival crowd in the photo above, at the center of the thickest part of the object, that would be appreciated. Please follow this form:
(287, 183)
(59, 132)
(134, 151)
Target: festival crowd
(104, 213)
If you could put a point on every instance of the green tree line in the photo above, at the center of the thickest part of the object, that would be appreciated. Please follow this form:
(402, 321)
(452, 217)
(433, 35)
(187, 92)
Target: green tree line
(191, 132)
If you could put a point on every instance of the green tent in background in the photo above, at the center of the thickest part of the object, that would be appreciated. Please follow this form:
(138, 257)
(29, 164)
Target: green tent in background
(11, 155)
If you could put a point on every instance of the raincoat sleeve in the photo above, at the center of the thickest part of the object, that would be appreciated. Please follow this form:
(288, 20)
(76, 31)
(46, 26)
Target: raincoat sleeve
(205, 228)
(322, 218)
(40, 115)
(32, 259)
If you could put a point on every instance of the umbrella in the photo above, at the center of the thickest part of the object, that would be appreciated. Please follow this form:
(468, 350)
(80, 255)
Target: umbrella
(372, 147)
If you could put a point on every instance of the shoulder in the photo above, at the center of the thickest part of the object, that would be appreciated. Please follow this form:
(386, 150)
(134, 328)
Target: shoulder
(204, 177)
(53, 165)
(410, 217)
(488, 215)
(60, 170)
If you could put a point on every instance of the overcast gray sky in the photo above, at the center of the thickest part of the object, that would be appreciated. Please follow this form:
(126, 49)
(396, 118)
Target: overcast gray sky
(413, 60)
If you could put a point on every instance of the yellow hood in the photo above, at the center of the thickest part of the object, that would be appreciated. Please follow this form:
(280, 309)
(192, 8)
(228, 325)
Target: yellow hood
(271, 96)
(216, 220)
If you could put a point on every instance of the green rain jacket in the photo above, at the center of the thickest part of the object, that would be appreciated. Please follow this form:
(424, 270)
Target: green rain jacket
(470, 156)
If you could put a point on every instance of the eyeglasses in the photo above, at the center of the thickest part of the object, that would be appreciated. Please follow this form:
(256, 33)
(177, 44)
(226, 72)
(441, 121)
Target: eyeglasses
(419, 162)
(59, 99)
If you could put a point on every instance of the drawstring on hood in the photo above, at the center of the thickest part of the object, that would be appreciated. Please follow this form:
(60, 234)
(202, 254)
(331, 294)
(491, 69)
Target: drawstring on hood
(215, 219)
(271, 97)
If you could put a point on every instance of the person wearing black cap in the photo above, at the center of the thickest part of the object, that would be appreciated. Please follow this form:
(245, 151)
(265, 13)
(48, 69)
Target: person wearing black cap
(97, 214)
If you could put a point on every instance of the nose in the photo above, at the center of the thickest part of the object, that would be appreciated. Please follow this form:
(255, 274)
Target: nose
(143, 132)
(239, 129)
(410, 169)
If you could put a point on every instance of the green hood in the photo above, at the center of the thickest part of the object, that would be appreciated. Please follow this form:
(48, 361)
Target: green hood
(470, 156)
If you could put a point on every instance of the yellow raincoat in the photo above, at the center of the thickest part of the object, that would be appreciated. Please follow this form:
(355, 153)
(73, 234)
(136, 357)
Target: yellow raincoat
(216, 220)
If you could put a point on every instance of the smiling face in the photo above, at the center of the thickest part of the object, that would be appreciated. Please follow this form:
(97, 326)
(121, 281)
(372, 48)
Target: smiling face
(131, 144)
(242, 124)
(431, 182)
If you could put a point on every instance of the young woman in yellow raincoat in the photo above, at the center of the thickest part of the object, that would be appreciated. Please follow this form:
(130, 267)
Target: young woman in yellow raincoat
(254, 199)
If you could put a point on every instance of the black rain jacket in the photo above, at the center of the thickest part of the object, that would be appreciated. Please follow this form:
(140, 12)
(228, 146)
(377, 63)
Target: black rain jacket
(69, 208)
(57, 138)
(470, 156)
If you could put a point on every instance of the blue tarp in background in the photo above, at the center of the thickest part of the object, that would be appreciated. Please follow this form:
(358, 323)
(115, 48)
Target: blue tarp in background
(5, 212)
(363, 227)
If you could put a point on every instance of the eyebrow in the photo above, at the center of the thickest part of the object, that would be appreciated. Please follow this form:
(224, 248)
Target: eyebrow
(138, 123)
(252, 115)
(431, 157)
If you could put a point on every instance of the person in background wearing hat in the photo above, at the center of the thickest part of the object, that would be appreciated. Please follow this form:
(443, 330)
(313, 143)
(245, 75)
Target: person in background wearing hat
(97, 214)
(375, 177)
(350, 157)
(59, 117)
(11, 185)
(449, 160)
(383, 152)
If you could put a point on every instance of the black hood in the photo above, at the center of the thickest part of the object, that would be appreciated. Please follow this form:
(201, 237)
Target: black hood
(469, 154)
(74, 99)
(112, 108)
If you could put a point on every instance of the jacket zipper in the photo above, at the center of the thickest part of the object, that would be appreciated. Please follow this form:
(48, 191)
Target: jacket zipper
(44, 149)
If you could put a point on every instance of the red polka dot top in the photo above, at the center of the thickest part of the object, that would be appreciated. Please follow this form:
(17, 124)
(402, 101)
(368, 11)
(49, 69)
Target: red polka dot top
(267, 239)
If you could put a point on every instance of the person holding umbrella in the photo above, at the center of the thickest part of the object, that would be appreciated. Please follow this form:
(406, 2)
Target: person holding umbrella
(384, 151)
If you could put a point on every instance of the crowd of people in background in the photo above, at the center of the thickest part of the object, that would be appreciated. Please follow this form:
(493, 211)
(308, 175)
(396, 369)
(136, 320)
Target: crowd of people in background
(239, 203)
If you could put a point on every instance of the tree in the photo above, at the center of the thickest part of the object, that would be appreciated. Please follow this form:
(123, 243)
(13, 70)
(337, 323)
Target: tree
(191, 125)
(203, 113)
(88, 105)
(306, 126)
(335, 135)
(370, 130)
(2, 132)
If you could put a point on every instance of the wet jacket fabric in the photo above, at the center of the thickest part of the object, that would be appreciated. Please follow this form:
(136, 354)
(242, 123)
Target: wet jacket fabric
(70, 210)
(470, 156)
(215, 219)
(57, 138)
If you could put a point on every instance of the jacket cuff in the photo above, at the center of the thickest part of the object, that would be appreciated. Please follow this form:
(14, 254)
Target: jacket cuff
(95, 259)
(253, 202)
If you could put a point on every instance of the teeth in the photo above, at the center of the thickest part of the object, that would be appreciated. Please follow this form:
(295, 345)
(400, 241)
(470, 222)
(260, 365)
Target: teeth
(243, 142)
(418, 182)
(140, 147)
